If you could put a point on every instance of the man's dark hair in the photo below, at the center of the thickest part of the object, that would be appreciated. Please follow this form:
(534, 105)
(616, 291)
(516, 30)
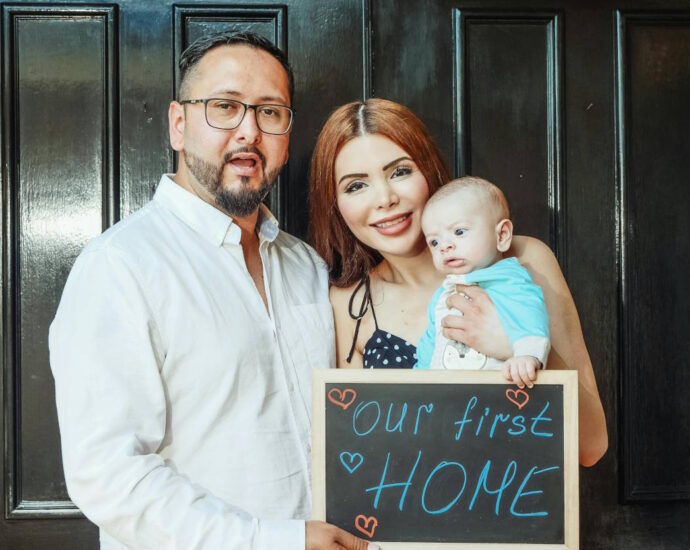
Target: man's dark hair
(195, 51)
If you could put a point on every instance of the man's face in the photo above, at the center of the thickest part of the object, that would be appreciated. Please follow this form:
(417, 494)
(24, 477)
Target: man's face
(234, 169)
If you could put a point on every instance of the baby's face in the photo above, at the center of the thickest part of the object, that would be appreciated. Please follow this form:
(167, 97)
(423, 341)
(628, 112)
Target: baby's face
(461, 234)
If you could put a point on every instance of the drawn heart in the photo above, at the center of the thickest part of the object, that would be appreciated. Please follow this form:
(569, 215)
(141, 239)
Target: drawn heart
(342, 399)
(351, 461)
(366, 525)
(518, 397)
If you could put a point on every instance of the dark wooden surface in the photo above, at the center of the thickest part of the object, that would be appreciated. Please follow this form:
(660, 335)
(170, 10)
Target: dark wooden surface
(578, 109)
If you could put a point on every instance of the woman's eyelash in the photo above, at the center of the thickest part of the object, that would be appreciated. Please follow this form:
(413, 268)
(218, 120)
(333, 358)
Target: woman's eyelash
(354, 186)
(401, 171)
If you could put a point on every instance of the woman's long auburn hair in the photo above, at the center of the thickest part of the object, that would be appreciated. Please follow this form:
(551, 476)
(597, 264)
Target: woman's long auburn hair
(347, 258)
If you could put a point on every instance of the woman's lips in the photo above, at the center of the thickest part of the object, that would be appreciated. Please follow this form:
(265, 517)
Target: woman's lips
(393, 225)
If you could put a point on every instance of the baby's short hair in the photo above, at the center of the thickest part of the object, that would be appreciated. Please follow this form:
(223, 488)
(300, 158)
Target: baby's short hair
(485, 191)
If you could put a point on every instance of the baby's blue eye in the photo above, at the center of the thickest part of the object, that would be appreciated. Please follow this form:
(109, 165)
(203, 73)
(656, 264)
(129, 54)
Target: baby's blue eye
(433, 243)
(459, 231)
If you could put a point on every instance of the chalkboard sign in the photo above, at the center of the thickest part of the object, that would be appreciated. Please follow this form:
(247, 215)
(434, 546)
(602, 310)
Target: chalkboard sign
(446, 459)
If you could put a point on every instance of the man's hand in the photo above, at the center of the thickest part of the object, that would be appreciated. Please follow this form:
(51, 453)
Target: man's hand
(479, 327)
(521, 370)
(324, 536)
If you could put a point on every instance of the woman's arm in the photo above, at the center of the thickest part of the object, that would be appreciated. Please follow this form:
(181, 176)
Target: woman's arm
(480, 328)
(568, 349)
(344, 328)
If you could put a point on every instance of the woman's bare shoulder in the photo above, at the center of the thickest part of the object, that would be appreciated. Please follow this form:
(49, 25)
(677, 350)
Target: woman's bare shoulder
(537, 257)
(344, 325)
(340, 296)
(527, 247)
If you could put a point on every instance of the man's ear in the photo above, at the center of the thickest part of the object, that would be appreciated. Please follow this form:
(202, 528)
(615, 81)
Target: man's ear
(176, 123)
(504, 234)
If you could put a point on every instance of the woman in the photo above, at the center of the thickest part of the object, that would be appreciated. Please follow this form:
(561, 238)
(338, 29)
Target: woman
(374, 166)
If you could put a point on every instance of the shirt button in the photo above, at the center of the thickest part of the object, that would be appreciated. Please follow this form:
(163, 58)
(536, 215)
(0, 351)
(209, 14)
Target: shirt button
(291, 387)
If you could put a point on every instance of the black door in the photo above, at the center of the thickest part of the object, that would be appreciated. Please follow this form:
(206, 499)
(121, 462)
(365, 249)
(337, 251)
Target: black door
(579, 110)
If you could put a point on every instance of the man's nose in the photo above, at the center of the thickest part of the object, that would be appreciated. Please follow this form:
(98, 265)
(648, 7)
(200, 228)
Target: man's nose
(248, 131)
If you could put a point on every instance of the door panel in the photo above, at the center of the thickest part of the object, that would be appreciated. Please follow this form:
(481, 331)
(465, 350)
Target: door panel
(510, 128)
(51, 210)
(654, 156)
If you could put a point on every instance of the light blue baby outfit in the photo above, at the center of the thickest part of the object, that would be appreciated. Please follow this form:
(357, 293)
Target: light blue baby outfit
(520, 307)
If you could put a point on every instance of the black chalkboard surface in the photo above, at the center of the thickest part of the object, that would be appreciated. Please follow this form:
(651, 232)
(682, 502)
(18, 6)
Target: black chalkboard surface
(408, 458)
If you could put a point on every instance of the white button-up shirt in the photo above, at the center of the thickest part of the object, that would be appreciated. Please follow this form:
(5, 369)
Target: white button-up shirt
(184, 406)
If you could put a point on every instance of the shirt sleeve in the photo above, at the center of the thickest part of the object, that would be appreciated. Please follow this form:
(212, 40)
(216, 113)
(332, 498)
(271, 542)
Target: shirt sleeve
(425, 347)
(106, 354)
(536, 346)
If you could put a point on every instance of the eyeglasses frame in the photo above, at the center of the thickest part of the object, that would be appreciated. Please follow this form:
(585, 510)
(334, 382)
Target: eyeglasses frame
(246, 106)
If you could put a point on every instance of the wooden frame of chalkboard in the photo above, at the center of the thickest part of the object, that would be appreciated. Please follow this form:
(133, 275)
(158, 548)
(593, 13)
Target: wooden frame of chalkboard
(440, 460)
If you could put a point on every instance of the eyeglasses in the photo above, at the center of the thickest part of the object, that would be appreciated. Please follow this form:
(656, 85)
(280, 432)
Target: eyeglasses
(228, 114)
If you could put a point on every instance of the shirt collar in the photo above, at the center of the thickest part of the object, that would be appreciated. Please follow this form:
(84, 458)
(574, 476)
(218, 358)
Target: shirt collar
(207, 220)
(267, 223)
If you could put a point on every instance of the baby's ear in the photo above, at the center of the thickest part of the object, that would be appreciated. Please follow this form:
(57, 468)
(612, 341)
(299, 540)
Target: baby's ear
(504, 234)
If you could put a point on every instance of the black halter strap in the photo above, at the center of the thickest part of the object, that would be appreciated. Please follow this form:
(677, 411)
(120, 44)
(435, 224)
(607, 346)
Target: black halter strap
(363, 308)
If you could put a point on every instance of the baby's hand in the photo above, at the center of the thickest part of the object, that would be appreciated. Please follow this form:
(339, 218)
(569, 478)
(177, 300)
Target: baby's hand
(521, 370)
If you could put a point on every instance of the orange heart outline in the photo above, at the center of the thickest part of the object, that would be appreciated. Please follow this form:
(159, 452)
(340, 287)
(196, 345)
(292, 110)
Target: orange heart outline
(512, 396)
(341, 400)
(369, 532)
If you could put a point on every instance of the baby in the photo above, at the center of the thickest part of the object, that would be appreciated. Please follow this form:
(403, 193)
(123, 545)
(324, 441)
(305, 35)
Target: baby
(467, 227)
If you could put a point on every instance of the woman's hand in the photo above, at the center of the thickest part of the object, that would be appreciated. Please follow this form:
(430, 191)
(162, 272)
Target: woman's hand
(479, 327)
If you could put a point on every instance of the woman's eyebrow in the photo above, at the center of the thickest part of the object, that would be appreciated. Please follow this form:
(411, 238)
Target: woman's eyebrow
(351, 176)
(387, 166)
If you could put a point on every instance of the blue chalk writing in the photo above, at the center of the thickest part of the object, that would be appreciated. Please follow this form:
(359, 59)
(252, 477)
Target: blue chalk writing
(519, 422)
(359, 409)
(521, 493)
(502, 418)
(470, 405)
(351, 461)
(481, 483)
(378, 488)
(541, 418)
(448, 506)
(481, 420)
(399, 425)
(427, 409)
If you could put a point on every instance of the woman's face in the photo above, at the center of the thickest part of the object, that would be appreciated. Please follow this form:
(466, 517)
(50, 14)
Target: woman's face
(381, 194)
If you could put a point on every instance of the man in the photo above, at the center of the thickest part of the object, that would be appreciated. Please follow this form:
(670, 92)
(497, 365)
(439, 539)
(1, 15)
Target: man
(184, 340)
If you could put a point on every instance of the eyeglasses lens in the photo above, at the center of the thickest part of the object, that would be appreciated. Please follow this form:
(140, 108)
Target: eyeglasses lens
(227, 114)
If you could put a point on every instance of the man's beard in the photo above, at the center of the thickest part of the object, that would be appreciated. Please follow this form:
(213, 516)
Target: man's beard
(236, 203)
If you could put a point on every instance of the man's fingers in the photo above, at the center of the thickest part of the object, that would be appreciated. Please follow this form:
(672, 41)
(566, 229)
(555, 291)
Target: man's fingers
(351, 542)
